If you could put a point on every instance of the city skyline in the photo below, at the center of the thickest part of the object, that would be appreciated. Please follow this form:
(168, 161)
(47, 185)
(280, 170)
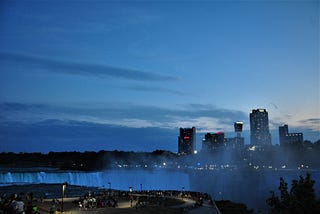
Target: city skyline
(90, 69)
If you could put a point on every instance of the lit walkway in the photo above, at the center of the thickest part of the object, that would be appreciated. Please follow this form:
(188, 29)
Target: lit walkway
(205, 209)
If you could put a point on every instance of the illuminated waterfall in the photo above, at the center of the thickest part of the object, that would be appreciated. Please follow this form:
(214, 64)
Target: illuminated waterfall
(119, 179)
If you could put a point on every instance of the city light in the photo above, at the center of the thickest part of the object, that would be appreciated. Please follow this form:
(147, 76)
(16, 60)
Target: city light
(252, 148)
(64, 185)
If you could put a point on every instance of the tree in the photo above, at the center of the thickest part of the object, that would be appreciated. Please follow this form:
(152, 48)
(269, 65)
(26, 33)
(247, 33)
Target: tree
(300, 199)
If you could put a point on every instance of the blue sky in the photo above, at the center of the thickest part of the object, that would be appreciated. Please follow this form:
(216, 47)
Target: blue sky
(144, 65)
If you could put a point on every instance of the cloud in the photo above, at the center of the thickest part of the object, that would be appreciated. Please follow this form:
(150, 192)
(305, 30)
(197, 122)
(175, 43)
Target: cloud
(155, 89)
(207, 110)
(127, 115)
(82, 136)
(315, 121)
(203, 124)
(311, 123)
(29, 62)
(13, 106)
(103, 119)
(274, 105)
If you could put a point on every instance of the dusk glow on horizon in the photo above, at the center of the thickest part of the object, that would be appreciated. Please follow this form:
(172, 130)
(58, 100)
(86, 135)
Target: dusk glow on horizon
(106, 75)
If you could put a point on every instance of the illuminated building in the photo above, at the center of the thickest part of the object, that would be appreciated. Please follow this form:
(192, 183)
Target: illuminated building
(213, 141)
(238, 141)
(187, 141)
(238, 128)
(259, 128)
(283, 131)
(289, 139)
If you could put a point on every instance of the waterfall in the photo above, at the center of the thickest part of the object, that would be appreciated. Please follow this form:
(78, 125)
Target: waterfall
(118, 179)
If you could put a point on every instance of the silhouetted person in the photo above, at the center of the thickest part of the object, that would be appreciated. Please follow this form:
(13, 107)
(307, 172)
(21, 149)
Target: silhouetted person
(52, 207)
(29, 208)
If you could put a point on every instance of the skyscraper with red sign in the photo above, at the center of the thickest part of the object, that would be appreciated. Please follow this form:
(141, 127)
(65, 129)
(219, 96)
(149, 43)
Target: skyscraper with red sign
(187, 141)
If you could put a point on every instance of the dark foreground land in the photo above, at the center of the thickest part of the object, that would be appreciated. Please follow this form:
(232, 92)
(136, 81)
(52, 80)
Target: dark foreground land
(42, 196)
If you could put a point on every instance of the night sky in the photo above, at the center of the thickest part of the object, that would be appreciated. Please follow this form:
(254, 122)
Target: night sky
(93, 75)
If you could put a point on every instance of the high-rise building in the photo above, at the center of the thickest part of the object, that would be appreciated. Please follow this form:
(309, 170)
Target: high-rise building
(187, 141)
(259, 128)
(238, 128)
(213, 141)
(289, 139)
(238, 141)
(283, 132)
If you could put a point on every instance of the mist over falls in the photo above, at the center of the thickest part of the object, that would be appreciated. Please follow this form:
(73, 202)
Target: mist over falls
(249, 187)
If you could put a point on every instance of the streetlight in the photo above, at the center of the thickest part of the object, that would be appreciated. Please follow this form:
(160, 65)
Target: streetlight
(221, 195)
(109, 183)
(140, 187)
(131, 197)
(182, 192)
(64, 185)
